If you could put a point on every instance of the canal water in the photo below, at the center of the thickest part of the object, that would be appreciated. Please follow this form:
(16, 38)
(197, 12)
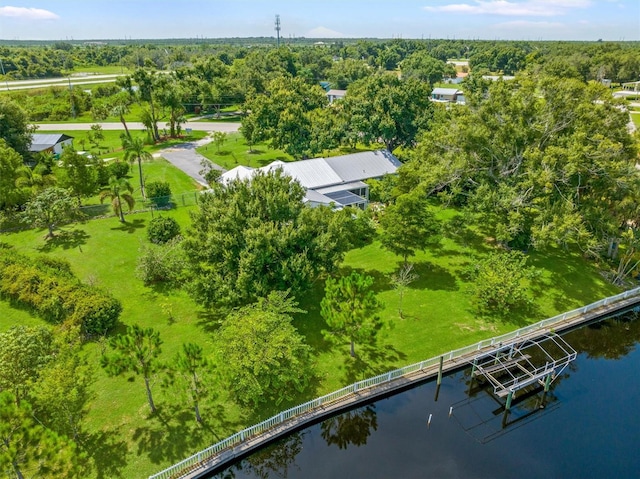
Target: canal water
(587, 426)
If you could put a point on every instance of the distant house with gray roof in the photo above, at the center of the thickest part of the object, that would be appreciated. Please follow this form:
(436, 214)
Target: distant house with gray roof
(338, 181)
(49, 142)
(449, 95)
(333, 95)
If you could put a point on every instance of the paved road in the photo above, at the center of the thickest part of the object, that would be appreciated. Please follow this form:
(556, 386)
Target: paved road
(134, 125)
(74, 79)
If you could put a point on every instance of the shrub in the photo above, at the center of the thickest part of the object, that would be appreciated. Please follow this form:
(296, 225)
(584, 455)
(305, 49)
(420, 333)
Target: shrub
(162, 229)
(48, 287)
(161, 263)
(500, 282)
(119, 169)
(159, 192)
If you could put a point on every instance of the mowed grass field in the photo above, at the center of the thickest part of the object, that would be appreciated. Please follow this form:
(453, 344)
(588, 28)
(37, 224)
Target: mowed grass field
(236, 151)
(127, 442)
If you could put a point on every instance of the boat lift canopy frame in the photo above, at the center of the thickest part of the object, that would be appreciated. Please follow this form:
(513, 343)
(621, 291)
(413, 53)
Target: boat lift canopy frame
(514, 366)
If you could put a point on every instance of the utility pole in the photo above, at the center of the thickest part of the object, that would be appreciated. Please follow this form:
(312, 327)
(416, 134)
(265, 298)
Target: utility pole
(4, 74)
(73, 108)
(278, 29)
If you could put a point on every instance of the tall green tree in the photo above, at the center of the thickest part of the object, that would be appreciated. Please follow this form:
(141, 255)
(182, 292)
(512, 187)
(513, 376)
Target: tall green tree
(28, 449)
(136, 351)
(262, 356)
(24, 353)
(119, 190)
(79, 173)
(134, 150)
(350, 308)
(539, 161)
(424, 67)
(500, 282)
(408, 225)
(171, 96)
(383, 107)
(62, 391)
(12, 193)
(119, 107)
(189, 371)
(147, 81)
(251, 237)
(283, 115)
(50, 207)
(15, 127)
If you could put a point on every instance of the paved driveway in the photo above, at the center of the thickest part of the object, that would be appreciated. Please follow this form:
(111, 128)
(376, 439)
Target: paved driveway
(188, 160)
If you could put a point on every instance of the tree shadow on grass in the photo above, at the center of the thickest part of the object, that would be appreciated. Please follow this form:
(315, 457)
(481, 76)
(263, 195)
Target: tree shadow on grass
(172, 433)
(371, 360)
(130, 227)
(520, 315)
(434, 277)
(108, 453)
(65, 239)
(210, 320)
(573, 281)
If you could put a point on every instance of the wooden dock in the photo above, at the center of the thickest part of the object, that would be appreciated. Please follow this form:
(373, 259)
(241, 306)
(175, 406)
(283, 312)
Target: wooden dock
(446, 365)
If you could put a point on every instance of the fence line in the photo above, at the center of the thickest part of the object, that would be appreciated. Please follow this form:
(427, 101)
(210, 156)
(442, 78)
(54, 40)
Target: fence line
(184, 466)
(101, 211)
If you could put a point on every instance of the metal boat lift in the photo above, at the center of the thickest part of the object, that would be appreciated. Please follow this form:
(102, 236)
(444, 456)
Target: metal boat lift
(512, 367)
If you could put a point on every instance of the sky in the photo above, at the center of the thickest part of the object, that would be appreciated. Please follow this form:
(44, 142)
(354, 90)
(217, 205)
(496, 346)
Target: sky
(465, 19)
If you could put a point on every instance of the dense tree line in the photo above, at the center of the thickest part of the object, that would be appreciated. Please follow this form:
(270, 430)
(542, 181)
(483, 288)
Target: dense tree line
(539, 161)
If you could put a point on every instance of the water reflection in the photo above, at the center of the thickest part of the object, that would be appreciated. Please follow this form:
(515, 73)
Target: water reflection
(270, 462)
(350, 428)
(584, 426)
(612, 338)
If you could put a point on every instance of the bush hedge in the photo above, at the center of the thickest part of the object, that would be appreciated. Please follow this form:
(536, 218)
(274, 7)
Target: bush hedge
(162, 229)
(48, 287)
(159, 192)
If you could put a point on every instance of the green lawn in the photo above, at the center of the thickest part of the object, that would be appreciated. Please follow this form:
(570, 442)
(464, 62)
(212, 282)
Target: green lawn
(235, 151)
(111, 146)
(438, 316)
(636, 119)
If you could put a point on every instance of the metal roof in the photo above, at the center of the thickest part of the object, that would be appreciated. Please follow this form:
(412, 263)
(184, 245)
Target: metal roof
(364, 165)
(338, 93)
(312, 196)
(328, 175)
(346, 198)
(445, 91)
(43, 141)
(310, 173)
(342, 187)
(237, 173)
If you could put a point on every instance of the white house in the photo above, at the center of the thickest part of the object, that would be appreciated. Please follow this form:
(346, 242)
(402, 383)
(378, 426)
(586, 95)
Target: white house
(445, 94)
(52, 142)
(336, 95)
(337, 181)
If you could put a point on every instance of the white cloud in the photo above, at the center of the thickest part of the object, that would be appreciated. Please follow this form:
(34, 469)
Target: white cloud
(527, 24)
(526, 8)
(324, 32)
(27, 13)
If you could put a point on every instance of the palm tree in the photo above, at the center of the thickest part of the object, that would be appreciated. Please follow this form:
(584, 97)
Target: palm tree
(120, 110)
(35, 179)
(118, 190)
(134, 150)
